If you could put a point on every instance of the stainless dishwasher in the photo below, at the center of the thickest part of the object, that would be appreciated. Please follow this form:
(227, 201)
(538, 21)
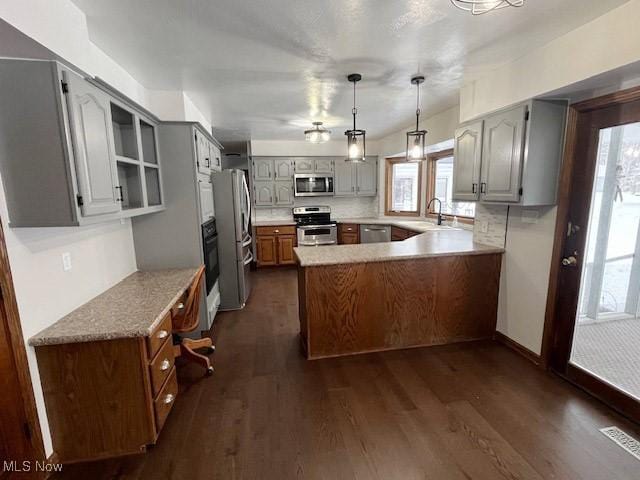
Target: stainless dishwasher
(375, 233)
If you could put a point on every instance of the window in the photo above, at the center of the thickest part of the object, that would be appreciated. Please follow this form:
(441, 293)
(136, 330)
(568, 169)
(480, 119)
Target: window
(403, 187)
(441, 186)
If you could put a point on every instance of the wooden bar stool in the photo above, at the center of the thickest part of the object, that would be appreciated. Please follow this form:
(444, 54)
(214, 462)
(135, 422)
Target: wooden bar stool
(187, 319)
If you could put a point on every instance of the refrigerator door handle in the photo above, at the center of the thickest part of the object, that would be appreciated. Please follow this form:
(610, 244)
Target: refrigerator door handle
(247, 241)
(248, 259)
(246, 192)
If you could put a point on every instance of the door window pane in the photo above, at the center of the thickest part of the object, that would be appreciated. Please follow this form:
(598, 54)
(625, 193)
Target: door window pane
(443, 184)
(404, 187)
(607, 332)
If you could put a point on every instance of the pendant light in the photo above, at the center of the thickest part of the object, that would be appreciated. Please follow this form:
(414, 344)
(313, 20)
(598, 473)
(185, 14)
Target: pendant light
(355, 137)
(478, 7)
(416, 138)
(317, 134)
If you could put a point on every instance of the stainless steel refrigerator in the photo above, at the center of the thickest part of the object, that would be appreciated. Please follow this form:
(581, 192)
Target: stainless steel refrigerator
(233, 214)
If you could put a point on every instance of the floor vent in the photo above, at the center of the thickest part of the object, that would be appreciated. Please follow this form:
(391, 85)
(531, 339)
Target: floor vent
(623, 439)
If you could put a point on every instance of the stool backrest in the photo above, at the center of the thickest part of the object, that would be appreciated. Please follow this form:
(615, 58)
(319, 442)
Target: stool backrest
(187, 319)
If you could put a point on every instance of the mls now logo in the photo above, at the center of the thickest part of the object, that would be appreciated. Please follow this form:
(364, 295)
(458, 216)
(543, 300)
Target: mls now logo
(28, 466)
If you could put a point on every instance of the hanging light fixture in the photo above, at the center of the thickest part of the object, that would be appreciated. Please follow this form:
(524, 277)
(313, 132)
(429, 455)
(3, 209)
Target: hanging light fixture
(478, 7)
(416, 138)
(317, 134)
(355, 137)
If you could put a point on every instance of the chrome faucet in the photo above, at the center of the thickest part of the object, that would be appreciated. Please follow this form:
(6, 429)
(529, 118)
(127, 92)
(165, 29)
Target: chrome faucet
(439, 209)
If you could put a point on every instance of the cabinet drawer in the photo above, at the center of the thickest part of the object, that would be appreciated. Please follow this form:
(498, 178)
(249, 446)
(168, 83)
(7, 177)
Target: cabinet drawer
(161, 365)
(277, 230)
(348, 228)
(165, 399)
(159, 335)
(349, 238)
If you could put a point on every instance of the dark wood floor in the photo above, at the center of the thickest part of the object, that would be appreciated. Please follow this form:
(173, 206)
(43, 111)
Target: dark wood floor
(467, 411)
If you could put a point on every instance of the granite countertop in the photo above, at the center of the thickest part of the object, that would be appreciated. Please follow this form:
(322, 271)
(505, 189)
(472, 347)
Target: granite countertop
(415, 225)
(440, 242)
(131, 308)
(273, 223)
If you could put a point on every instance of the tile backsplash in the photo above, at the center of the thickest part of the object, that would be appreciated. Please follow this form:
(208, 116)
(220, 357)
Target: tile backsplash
(495, 218)
(340, 207)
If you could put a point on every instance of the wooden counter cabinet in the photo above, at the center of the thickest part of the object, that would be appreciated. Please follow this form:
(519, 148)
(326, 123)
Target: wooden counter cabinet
(348, 233)
(275, 245)
(399, 234)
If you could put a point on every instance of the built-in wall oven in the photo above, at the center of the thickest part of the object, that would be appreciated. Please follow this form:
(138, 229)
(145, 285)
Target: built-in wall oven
(210, 247)
(312, 185)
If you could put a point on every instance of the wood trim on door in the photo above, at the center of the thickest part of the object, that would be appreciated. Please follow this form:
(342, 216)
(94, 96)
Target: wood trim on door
(577, 171)
(10, 309)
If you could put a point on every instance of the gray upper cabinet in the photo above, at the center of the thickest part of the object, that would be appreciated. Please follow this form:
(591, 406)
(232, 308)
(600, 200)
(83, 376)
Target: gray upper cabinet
(72, 149)
(502, 155)
(367, 177)
(304, 165)
(356, 179)
(203, 159)
(263, 169)
(91, 133)
(467, 154)
(344, 180)
(283, 168)
(521, 153)
(283, 194)
(263, 194)
(323, 165)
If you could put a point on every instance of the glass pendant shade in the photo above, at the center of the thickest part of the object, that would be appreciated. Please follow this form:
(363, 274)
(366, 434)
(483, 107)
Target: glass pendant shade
(416, 138)
(356, 142)
(478, 7)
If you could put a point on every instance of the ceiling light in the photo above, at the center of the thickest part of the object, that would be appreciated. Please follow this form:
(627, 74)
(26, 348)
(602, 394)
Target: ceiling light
(355, 137)
(478, 7)
(317, 134)
(416, 138)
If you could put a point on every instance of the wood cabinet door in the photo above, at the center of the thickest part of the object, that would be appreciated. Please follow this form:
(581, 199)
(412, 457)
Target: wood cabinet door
(398, 234)
(283, 168)
(267, 254)
(367, 177)
(324, 165)
(304, 165)
(283, 193)
(502, 150)
(263, 169)
(286, 255)
(263, 193)
(344, 179)
(467, 154)
(349, 238)
(93, 147)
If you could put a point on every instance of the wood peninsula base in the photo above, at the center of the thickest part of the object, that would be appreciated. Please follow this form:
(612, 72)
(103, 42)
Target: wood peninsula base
(367, 307)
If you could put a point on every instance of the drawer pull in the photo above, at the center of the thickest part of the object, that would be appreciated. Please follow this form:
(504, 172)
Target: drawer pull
(168, 398)
(180, 306)
(276, 231)
(349, 229)
(165, 365)
(162, 334)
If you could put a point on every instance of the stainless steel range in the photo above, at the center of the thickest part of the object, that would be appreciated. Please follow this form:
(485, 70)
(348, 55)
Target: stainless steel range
(314, 226)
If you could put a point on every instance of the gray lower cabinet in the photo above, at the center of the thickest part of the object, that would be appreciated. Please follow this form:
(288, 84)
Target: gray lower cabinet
(467, 154)
(74, 150)
(513, 155)
(263, 193)
(283, 193)
(356, 179)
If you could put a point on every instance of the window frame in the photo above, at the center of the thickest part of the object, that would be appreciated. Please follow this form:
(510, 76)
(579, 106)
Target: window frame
(432, 160)
(389, 163)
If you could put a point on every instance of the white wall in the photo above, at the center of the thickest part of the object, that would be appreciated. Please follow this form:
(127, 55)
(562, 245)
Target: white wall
(606, 43)
(101, 255)
(609, 42)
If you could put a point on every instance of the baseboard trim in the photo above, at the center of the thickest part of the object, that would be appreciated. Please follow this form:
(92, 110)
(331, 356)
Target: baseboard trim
(516, 347)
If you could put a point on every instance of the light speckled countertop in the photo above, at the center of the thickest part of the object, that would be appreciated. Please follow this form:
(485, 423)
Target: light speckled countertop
(273, 223)
(131, 308)
(433, 243)
(416, 225)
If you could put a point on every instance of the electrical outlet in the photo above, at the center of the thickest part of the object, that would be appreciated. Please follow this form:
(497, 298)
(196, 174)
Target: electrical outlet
(66, 261)
(484, 226)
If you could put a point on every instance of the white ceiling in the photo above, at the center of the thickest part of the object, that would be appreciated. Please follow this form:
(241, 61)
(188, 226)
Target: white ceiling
(267, 69)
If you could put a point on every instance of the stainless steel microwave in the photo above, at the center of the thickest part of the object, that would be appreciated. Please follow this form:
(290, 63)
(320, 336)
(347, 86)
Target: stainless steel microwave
(312, 185)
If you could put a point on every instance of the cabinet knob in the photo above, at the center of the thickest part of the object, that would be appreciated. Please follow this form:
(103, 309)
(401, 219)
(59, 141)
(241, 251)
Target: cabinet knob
(162, 334)
(165, 364)
(276, 231)
(349, 229)
(180, 306)
(168, 398)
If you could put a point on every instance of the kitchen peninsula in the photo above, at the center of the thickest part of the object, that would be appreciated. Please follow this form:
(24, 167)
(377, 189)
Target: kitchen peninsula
(434, 288)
